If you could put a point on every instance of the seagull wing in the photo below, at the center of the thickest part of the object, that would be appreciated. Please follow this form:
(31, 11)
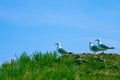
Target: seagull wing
(61, 50)
(103, 46)
(95, 48)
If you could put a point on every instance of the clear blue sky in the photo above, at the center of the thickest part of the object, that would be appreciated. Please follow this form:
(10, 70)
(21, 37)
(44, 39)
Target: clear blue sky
(35, 25)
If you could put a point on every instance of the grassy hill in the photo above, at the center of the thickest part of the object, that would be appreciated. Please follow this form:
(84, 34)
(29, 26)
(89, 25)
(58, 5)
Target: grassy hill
(48, 66)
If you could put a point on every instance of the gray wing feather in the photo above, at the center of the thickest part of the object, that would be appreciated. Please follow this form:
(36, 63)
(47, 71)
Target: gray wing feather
(61, 50)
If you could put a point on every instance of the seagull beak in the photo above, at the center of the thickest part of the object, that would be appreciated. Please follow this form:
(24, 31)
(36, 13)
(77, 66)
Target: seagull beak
(96, 40)
(55, 44)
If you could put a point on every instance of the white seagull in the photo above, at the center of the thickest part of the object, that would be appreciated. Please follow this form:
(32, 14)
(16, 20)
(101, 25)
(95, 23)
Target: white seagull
(94, 48)
(61, 50)
(103, 47)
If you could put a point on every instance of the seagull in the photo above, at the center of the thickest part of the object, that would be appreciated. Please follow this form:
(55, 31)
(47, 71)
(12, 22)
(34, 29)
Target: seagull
(93, 47)
(61, 50)
(103, 47)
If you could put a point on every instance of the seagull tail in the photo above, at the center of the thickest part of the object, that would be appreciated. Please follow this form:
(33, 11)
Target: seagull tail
(70, 52)
(112, 47)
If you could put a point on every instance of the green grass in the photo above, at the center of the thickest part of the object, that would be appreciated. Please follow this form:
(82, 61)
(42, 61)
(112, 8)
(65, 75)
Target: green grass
(48, 66)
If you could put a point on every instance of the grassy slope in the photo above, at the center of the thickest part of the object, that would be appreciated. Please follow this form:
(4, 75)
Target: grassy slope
(69, 67)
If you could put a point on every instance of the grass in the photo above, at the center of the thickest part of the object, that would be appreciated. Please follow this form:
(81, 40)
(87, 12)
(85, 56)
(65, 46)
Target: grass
(48, 66)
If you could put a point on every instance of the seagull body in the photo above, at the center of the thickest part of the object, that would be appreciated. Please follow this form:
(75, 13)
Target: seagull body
(61, 50)
(103, 47)
(93, 47)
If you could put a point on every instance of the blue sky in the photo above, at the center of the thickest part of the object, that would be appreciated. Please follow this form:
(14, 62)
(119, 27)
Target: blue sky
(36, 25)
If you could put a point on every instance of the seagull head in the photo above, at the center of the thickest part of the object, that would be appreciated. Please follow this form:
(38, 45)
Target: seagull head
(90, 42)
(98, 39)
(58, 44)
